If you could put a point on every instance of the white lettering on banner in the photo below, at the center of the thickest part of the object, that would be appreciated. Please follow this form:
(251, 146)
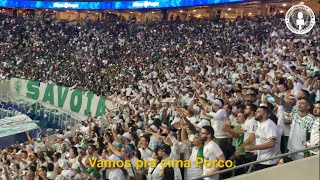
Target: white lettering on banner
(145, 4)
(75, 101)
(65, 5)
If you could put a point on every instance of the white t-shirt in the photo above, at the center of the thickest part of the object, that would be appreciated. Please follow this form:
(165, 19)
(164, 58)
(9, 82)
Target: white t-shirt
(156, 172)
(51, 175)
(317, 92)
(84, 129)
(314, 135)
(211, 151)
(185, 150)
(193, 119)
(58, 177)
(296, 88)
(116, 174)
(185, 154)
(175, 149)
(250, 126)
(268, 130)
(282, 117)
(193, 171)
(217, 123)
(132, 170)
(145, 153)
(84, 161)
(298, 132)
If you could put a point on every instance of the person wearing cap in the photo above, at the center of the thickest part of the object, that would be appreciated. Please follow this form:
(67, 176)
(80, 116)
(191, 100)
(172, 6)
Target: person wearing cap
(127, 154)
(211, 151)
(164, 154)
(76, 169)
(196, 152)
(83, 154)
(126, 138)
(115, 173)
(67, 175)
(154, 136)
(218, 115)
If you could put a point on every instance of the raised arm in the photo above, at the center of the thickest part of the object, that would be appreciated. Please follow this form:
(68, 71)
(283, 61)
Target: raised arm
(184, 136)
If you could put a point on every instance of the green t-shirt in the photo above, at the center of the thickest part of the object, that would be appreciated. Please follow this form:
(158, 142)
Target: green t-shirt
(95, 173)
(239, 140)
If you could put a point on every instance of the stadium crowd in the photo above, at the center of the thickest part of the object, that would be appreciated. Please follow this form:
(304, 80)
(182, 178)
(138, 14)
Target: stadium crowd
(243, 90)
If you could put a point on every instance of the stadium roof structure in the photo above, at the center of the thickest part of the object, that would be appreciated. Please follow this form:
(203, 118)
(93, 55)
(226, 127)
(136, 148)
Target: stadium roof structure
(110, 5)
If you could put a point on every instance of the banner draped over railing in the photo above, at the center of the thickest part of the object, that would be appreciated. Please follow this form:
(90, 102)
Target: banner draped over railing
(74, 101)
(17, 124)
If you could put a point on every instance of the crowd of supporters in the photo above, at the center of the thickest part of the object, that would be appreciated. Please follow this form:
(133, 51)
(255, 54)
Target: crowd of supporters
(241, 90)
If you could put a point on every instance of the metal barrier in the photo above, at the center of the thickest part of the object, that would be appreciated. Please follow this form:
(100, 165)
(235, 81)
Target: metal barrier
(251, 164)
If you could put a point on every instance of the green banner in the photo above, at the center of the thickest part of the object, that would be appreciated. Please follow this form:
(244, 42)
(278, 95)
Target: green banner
(62, 97)
(15, 125)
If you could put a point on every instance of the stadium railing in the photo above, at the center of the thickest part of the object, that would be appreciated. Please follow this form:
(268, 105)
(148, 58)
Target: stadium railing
(251, 164)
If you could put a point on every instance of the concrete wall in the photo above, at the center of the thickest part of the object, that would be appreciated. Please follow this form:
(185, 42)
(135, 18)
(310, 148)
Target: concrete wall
(305, 169)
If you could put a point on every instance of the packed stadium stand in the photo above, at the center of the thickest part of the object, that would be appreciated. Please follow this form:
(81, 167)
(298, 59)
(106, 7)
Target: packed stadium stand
(159, 90)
